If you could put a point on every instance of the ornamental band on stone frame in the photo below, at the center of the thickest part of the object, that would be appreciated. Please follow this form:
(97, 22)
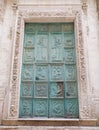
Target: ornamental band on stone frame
(29, 15)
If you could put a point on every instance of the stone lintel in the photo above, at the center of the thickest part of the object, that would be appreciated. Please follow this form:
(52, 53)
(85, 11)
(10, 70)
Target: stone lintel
(50, 122)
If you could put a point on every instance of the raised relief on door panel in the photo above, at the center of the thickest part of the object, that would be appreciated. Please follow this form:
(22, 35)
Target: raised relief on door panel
(56, 90)
(69, 56)
(29, 40)
(56, 72)
(27, 73)
(71, 108)
(27, 89)
(40, 108)
(41, 73)
(42, 28)
(70, 72)
(56, 48)
(30, 28)
(68, 40)
(41, 90)
(26, 107)
(71, 90)
(41, 48)
(56, 108)
(28, 56)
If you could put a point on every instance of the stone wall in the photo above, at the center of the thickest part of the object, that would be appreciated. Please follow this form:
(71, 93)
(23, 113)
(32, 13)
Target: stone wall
(48, 128)
(13, 13)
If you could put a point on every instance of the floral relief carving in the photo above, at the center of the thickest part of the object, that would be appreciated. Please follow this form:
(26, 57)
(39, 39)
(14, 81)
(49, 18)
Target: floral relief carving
(82, 66)
(84, 110)
(69, 11)
(13, 105)
(26, 14)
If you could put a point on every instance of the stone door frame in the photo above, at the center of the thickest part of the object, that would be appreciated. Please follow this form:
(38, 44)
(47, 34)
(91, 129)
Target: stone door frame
(69, 14)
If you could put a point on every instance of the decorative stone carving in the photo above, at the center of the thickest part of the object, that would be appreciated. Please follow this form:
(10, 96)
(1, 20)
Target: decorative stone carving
(14, 93)
(29, 14)
(64, 11)
(84, 6)
(85, 112)
(14, 4)
(82, 67)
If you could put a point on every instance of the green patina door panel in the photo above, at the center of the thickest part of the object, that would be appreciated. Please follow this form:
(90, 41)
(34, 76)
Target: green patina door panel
(49, 72)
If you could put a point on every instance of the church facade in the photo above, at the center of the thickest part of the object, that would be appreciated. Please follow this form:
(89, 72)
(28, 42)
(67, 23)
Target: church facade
(49, 69)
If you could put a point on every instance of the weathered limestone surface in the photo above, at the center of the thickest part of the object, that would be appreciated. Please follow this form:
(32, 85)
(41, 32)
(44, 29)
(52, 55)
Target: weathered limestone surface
(10, 29)
(5, 50)
(47, 2)
(48, 128)
(1, 28)
(93, 51)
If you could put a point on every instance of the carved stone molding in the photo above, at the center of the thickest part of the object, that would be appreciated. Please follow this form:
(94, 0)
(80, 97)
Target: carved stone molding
(14, 81)
(84, 6)
(29, 15)
(14, 4)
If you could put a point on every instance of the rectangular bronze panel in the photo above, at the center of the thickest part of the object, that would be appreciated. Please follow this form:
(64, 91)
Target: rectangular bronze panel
(71, 108)
(56, 90)
(41, 90)
(27, 89)
(26, 107)
(27, 73)
(56, 108)
(40, 108)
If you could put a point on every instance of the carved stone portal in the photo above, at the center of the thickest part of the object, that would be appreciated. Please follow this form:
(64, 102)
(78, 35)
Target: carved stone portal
(29, 15)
